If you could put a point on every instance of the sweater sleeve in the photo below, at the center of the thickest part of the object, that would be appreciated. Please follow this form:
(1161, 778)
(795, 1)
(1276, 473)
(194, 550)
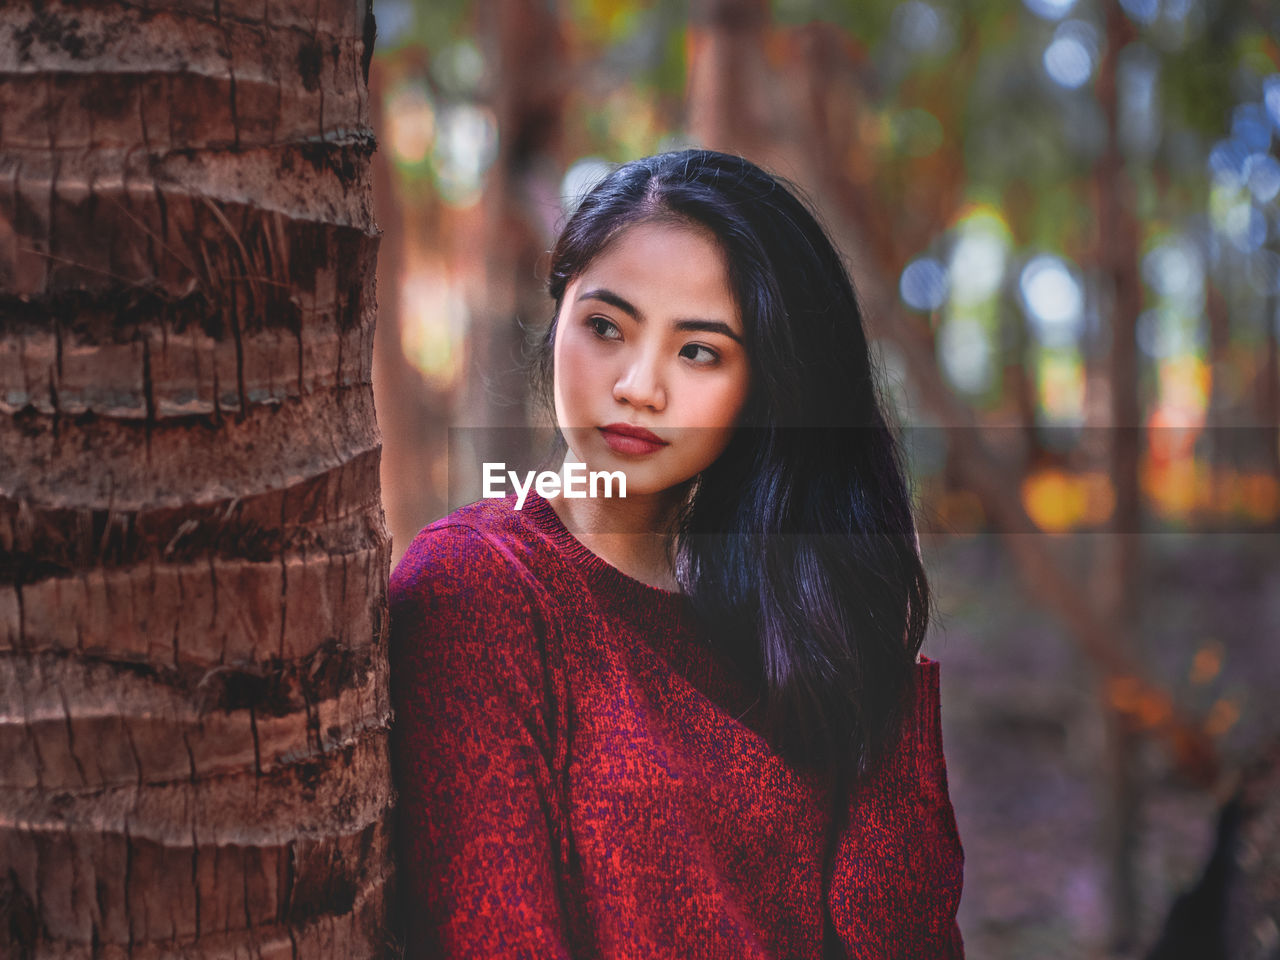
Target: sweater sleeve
(898, 873)
(473, 750)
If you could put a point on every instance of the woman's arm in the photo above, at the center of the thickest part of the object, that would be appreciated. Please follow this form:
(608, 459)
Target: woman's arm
(473, 751)
(899, 867)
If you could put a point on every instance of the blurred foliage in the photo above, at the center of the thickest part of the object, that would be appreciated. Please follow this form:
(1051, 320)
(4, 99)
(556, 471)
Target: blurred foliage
(981, 126)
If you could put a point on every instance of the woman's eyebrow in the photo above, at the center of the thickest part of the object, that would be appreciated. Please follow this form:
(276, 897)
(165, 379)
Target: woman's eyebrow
(705, 326)
(708, 326)
(611, 298)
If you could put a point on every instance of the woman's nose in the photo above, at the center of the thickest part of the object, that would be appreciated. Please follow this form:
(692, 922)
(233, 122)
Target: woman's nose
(640, 384)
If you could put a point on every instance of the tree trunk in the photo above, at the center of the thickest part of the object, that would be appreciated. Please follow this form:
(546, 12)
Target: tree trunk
(1220, 413)
(1117, 582)
(193, 558)
(729, 104)
(1269, 391)
(524, 43)
(413, 418)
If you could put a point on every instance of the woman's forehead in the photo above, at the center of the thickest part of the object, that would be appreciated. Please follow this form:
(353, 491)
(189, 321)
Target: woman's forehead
(662, 267)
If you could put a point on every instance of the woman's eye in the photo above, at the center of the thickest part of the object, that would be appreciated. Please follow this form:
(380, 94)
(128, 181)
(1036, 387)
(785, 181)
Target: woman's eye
(605, 329)
(700, 354)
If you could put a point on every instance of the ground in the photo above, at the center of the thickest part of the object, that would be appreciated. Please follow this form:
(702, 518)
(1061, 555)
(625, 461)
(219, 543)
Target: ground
(1023, 737)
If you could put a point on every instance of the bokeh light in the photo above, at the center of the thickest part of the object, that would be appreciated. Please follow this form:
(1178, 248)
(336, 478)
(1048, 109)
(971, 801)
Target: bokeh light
(1261, 173)
(1070, 57)
(1271, 98)
(459, 68)
(1251, 127)
(411, 124)
(922, 28)
(1242, 223)
(1141, 12)
(1053, 300)
(433, 324)
(1166, 331)
(1175, 269)
(1050, 9)
(964, 350)
(1061, 387)
(1226, 162)
(978, 258)
(915, 132)
(1137, 79)
(466, 145)
(924, 284)
(395, 21)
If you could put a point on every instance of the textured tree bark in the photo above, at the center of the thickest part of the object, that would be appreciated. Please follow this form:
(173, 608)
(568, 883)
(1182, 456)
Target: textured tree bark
(193, 558)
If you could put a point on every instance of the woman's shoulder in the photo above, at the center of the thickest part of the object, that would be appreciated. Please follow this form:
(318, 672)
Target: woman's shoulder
(470, 623)
(468, 584)
(479, 546)
(477, 540)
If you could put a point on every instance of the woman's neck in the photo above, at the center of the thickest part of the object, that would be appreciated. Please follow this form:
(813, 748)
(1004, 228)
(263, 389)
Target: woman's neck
(633, 534)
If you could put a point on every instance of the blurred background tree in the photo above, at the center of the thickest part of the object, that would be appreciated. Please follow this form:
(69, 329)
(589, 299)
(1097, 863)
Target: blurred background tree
(1062, 218)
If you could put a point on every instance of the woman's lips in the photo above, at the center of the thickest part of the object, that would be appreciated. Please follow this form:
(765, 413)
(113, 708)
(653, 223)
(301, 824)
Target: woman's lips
(624, 438)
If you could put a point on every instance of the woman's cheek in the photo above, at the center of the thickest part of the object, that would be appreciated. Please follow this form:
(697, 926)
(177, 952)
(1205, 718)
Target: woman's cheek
(723, 405)
(573, 356)
(580, 371)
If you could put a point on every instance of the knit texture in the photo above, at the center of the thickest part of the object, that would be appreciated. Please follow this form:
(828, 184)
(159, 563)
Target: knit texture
(582, 775)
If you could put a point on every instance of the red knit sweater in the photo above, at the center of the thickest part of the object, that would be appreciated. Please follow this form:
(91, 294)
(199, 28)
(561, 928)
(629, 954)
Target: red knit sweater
(581, 775)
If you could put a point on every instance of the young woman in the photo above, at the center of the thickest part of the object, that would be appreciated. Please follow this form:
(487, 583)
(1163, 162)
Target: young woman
(691, 721)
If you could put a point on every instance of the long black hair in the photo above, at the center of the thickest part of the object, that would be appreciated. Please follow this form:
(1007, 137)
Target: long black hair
(797, 546)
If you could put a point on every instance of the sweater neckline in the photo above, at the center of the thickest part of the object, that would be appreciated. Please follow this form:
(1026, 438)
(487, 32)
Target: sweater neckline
(599, 572)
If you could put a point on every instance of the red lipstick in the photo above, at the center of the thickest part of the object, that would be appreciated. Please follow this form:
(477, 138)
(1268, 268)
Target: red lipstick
(626, 438)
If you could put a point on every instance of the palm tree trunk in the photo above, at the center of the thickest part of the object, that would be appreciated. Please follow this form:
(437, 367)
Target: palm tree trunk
(193, 559)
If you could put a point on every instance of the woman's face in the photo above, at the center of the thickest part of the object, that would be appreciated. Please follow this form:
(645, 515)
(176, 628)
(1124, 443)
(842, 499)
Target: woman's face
(649, 337)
